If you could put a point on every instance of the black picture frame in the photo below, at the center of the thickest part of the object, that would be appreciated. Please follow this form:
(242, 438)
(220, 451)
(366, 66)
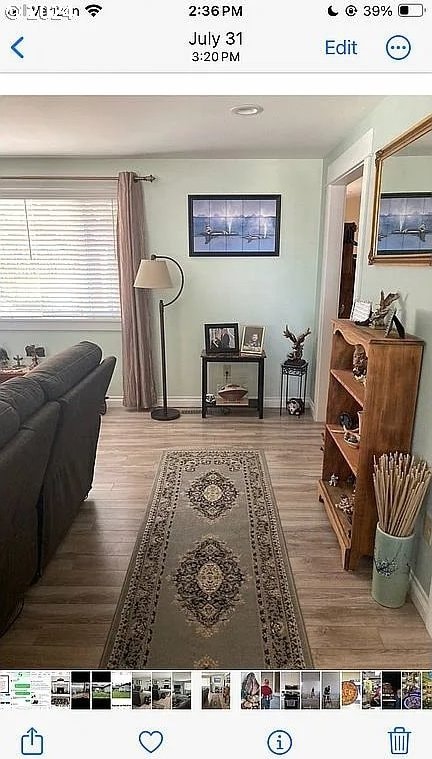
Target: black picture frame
(394, 322)
(234, 225)
(404, 224)
(211, 334)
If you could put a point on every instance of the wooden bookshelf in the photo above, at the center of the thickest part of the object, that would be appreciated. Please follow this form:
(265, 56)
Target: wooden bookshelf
(353, 386)
(388, 401)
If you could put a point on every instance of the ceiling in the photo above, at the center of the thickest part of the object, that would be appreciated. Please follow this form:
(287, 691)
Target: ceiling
(177, 127)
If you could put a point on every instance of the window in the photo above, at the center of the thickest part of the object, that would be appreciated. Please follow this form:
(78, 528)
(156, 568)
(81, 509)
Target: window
(58, 258)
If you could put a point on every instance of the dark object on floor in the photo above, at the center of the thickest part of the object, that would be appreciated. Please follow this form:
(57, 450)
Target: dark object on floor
(295, 406)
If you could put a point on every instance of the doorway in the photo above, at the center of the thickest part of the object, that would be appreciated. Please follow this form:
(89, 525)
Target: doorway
(353, 170)
(349, 247)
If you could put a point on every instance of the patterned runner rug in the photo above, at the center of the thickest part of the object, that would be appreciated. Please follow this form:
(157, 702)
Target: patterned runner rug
(209, 584)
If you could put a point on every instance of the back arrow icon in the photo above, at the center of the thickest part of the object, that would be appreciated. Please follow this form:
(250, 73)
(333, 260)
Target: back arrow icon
(15, 45)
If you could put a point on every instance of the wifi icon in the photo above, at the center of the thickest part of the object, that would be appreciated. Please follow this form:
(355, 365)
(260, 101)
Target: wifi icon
(93, 9)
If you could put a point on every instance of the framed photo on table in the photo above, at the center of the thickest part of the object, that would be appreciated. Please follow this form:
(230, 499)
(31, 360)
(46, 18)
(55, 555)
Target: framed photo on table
(252, 340)
(221, 337)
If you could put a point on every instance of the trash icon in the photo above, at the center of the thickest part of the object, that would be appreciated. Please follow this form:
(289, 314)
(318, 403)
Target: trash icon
(399, 741)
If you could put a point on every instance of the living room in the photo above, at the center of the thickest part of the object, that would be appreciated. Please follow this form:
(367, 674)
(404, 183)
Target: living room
(70, 151)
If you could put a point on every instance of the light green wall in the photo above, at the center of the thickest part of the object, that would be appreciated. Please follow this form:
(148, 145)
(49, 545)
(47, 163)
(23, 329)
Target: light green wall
(393, 116)
(268, 291)
(407, 174)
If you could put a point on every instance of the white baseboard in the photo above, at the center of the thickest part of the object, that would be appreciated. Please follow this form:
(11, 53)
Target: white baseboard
(420, 600)
(311, 405)
(195, 402)
(115, 400)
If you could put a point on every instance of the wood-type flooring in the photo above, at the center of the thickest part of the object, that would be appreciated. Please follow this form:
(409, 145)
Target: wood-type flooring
(67, 614)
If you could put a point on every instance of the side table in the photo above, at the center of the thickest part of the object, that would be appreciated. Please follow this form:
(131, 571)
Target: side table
(232, 358)
(297, 370)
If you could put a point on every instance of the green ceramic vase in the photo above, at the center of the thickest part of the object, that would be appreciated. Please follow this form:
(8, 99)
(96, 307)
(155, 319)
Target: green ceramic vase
(391, 568)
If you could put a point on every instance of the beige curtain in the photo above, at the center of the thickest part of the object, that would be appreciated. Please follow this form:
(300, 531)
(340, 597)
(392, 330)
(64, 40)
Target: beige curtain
(139, 391)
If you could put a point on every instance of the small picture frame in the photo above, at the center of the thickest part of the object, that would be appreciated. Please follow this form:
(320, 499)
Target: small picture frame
(221, 337)
(361, 311)
(393, 322)
(252, 339)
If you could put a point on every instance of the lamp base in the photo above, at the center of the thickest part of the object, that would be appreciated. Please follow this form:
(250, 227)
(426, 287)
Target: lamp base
(164, 415)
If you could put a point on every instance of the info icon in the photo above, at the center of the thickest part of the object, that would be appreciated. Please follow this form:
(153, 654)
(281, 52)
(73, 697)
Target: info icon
(279, 742)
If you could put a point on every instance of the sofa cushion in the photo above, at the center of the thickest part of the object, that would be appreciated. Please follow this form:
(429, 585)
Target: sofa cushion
(9, 423)
(57, 374)
(24, 394)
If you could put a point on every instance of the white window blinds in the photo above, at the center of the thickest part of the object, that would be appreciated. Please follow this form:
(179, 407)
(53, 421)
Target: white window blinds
(58, 258)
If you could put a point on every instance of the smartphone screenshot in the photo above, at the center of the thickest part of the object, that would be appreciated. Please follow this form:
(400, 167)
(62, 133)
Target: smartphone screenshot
(215, 379)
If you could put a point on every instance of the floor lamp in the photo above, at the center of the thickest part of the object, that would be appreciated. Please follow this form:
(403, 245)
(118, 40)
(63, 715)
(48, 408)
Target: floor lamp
(153, 274)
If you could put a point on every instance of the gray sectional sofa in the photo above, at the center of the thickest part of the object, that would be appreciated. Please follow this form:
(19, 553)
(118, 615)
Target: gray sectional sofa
(49, 429)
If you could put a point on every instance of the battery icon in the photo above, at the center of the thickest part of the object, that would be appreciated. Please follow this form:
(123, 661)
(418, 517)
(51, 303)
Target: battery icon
(411, 9)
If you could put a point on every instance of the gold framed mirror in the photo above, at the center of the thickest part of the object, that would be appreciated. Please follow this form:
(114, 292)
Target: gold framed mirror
(402, 209)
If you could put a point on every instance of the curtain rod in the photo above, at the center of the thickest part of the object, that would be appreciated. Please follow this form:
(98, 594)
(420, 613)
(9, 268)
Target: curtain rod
(148, 178)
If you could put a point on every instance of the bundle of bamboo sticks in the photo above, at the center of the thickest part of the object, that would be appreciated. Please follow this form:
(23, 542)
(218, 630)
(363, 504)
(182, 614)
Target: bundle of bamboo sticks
(400, 482)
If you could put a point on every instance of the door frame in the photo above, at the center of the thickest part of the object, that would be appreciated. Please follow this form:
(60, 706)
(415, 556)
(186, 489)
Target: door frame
(356, 161)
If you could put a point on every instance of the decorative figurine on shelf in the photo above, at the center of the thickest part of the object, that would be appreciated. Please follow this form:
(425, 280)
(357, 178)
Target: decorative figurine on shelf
(346, 504)
(347, 420)
(35, 353)
(4, 358)
(352, 438)
(296, 355)
(333, 481)
(377, 318)
(360, 363)
(18, 360)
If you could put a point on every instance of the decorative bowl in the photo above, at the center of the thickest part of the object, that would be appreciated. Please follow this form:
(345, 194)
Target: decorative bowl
(232, 393)
(352, 438)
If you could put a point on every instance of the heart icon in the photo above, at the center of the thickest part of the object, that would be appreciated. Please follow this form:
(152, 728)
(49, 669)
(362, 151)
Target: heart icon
(151, 741)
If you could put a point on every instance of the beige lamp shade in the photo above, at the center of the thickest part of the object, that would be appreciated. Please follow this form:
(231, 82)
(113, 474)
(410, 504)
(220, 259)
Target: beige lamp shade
(153, 274)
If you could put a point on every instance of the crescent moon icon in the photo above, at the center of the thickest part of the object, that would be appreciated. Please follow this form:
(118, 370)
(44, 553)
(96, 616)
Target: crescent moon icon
(331, 12)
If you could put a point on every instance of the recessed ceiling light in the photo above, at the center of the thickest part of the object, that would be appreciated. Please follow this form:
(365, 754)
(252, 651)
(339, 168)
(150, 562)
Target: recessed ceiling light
(247, 110)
